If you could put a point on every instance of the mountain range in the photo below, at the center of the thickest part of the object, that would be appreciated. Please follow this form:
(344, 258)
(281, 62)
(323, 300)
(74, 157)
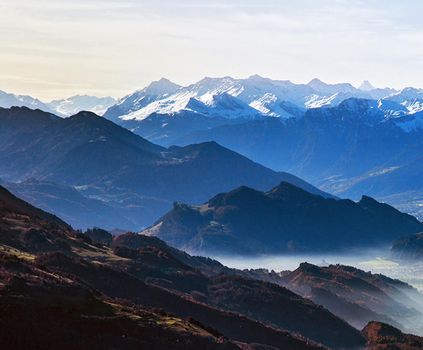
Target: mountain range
(284, 220)
(8, 100)
(61, 107)
(344, 140)
(318, 131)
(233, 98)
(85, 167)
(75, 104)
(228, 97)
(347, 141)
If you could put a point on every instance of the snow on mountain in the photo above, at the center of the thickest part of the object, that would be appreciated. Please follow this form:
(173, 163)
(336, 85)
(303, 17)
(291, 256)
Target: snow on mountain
(222, 104)
(62, 108)
(256, 87)
(392, 109)
(267, 104)
(78, 103)
(316, 101)
(216, 86)
(8, 100)
(228, 106)
(168, 105)
(373, 112)
(227, 97)
(246, 98)
(410, 98)
(157, 90)
(270, 105)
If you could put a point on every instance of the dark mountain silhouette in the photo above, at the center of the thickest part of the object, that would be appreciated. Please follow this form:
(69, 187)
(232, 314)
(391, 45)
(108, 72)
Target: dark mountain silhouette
(109, 163)
(69, 204)
(10, 203)
(409, 248)
(41, 310)
(284, 219)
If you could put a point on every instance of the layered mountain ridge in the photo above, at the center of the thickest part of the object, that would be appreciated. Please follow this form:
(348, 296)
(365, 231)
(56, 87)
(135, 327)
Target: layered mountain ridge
(114, 169)
(285, 219)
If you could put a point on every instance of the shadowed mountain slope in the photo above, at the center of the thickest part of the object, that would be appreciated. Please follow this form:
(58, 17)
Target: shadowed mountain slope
(149, 276)
(106, 162)
(284, 219)
(359, 297)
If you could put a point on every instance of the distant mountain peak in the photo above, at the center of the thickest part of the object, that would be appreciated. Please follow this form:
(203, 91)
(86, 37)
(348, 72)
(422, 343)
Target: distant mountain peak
(162, 86)
(321, 86)
(257, 78)
(316, 81)
(366, 86)
(368, 200)
(308, 268)
(286, 189)
(412, 92)
(73, 104)
(85, 114)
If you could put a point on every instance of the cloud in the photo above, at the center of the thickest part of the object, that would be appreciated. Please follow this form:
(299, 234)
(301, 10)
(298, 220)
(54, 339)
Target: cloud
(114, 46)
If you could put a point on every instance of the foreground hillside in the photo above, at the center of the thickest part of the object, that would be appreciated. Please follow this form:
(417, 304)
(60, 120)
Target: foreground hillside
(44, 310)
(284, 219)
(381, 336)
(115, 285)
(359, 297)
(63, 289)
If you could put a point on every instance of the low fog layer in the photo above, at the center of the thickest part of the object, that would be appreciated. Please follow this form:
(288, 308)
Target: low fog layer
(376, 261)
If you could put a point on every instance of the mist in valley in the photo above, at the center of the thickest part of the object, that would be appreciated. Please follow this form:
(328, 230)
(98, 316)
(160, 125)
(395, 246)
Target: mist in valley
(402, 307)
(370, 260)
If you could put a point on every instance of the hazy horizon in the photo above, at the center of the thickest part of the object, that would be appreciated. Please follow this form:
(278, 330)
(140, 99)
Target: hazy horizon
(48, 100)
(56, 49)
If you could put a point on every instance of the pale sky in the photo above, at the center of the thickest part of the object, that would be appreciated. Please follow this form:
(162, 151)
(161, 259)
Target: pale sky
(57, 48)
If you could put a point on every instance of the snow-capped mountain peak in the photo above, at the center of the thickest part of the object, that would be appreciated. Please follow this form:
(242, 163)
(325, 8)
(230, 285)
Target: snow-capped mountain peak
(221, 104)
(77, 103)
(8, 100)
(270, 105)
(410, 98)
(228, 106)
(317, 84)
(256, 95)
(161, 87)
